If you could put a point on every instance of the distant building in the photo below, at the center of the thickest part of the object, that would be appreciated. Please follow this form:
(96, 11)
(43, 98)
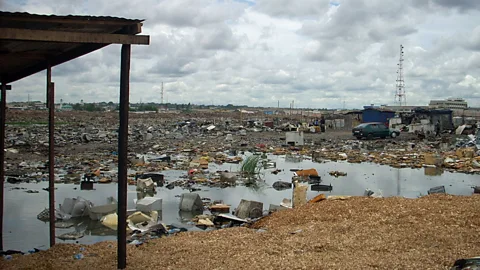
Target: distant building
(66, 107)
(403, 109)
(450, 103)
(373, 114)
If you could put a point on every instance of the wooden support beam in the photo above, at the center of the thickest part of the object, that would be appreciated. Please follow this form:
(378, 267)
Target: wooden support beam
(122, 157)
(3, 106)
(51, 154)
(71, 37)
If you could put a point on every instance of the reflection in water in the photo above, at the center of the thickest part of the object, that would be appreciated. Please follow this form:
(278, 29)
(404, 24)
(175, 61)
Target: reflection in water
(255, 185)
(186, 216)
(26, 232)
(433, 171)
(293, 158)
(399, 188)
(90, 227)
(145, 193)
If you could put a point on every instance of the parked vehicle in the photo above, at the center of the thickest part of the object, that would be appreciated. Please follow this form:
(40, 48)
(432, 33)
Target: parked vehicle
(374, 130)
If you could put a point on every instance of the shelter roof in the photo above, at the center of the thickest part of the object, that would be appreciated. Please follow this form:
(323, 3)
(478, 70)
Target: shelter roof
(31, 42)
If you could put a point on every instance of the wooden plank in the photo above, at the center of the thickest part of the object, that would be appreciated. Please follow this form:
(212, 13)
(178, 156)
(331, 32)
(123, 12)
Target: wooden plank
(71, 37)
(62, 58)
(76, 20)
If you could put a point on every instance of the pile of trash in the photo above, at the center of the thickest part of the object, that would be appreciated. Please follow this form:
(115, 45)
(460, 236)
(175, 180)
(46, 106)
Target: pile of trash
(408, 155)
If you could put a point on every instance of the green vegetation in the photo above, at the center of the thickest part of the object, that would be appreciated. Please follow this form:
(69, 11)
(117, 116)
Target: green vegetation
(144, 108)
(251, 166)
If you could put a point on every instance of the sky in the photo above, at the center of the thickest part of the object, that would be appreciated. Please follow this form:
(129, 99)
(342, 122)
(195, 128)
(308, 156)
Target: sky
(314, 53)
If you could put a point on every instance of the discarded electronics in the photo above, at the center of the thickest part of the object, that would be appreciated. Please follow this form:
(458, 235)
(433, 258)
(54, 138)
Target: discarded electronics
(110, 221)
(249, 209)
(97, 212)
(156, 177)
(190, 202)
(76, 207)
(148, 204)
(145, 184)
(136, 221)
(86, 184)
(294, 138)
(435, 190)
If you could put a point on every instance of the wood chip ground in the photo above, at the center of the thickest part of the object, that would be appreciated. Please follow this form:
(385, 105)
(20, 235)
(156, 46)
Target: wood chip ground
(358, 233)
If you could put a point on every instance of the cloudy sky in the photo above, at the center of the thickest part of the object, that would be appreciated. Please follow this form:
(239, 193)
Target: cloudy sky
(319, 53)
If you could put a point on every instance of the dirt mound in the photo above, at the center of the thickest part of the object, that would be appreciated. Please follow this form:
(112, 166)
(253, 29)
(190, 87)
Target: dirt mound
(358, 233)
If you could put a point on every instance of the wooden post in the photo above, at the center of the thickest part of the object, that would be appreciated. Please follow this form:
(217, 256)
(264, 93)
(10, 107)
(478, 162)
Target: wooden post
(51, 153)
(122, 157)
(3, 106)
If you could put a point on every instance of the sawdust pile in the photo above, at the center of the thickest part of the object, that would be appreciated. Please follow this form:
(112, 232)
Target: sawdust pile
(358, 233)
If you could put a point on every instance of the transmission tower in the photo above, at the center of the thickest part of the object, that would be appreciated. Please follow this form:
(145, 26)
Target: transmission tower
(162, 95)
(400, 97)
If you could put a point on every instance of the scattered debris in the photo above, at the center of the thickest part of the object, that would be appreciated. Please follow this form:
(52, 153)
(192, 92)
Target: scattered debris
(249, 209)
(319, 187)
(337, 173)
(318, 198)
(439, 189)
(307, 173)
(71, 236)
(281, 185)
(148, 204)
(191, 202)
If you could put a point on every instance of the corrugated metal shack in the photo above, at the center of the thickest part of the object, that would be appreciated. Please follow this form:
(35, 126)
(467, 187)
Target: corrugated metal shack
(444, 116)
(377, 115)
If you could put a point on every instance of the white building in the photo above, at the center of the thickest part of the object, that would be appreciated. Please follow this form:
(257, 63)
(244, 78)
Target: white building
(450, 103)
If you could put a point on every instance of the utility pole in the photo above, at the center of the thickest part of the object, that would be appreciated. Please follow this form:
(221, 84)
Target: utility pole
(162, 93)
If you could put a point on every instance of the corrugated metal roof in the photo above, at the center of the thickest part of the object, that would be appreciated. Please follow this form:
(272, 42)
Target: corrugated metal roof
(21, 58)
(65, 17)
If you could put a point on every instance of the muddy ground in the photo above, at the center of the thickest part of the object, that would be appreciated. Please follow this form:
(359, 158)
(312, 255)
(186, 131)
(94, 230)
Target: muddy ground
(357, 233)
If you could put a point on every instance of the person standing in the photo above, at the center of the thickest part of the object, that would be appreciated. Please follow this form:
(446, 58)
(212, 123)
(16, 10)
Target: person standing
(437, 129)
(322, 124)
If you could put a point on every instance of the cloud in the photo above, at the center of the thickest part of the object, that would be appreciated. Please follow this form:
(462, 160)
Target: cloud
(460, 5)
(299, 8)
(319, 53)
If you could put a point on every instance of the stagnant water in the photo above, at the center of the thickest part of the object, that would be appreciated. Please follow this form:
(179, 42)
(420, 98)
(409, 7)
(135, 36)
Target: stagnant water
(23, 231)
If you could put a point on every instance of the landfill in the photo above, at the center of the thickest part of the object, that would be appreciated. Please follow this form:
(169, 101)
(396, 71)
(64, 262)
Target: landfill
(192, 143)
